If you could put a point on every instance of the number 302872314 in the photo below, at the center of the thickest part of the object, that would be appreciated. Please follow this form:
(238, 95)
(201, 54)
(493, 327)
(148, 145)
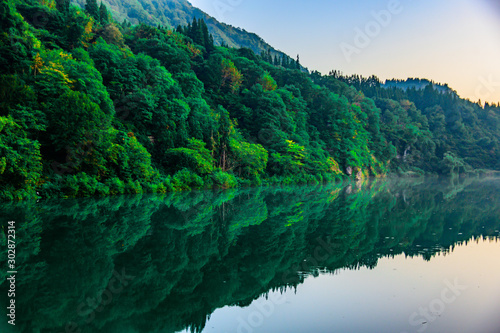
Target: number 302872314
(11, 236)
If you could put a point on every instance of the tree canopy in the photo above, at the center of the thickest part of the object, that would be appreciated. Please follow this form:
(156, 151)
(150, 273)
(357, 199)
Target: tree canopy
(90, 106)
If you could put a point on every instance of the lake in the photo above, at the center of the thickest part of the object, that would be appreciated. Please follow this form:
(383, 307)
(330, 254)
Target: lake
(398, 255)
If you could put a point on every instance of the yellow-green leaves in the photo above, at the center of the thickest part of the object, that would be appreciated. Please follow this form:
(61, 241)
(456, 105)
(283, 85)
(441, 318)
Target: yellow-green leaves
(231, 76)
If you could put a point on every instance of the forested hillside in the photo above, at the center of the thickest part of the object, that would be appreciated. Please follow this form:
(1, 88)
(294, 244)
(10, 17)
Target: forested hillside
(417, 84)
(464, 134)
(172, 13)
(89, 106)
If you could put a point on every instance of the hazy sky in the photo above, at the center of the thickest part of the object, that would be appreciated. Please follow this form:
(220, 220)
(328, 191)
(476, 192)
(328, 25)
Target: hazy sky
(449, 41)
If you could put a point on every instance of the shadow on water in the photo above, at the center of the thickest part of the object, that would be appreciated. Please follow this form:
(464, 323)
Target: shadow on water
(164, 263)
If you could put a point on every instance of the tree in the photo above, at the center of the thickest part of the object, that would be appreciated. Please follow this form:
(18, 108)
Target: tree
(92, 9)
(63, 6)
(112, 35)
(208, 41)
(194, 157)
(103, 14)
(231, 76)
(276, 61)
(20, 162)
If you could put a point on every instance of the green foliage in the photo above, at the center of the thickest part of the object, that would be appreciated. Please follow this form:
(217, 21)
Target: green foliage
(194, 157)
(425, 121)
(452, 164)
(250, 160)
(116, 186)
(231, 76)
(203, 29)
(186, 180)
(223, 180)
(103, 14)
(203, 250)
(92, 9)
(268, 82)
(109, 108)
(20, 162)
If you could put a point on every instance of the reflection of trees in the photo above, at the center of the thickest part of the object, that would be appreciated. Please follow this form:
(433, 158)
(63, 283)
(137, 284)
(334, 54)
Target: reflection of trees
(191, 253)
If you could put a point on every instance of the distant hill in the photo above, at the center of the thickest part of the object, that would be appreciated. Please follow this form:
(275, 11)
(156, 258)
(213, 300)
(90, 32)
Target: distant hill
(180, 12)
(418, 84)
(87, 109)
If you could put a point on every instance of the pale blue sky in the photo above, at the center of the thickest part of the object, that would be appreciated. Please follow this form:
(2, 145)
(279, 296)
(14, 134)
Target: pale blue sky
(451, 41)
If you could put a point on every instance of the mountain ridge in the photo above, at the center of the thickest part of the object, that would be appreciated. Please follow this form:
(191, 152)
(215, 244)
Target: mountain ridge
(173, 13)
(91, 108)
(418, 84)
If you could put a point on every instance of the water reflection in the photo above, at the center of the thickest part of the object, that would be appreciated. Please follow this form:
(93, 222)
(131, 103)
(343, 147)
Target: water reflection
(151, 264)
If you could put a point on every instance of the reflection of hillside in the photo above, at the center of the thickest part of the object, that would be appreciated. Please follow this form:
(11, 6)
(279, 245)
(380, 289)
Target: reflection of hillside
(191, 253)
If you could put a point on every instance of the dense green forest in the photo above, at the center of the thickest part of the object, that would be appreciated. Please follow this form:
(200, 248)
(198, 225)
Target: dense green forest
(89, 106)
(171, 13)
(187, 254)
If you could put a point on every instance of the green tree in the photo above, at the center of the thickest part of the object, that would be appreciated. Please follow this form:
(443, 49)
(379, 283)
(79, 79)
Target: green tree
(92, 9)
(63, 6)
(20, 162)
(103, 14)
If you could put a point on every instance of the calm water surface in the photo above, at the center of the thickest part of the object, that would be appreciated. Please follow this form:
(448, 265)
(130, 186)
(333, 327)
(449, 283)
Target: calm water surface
(390, 256)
